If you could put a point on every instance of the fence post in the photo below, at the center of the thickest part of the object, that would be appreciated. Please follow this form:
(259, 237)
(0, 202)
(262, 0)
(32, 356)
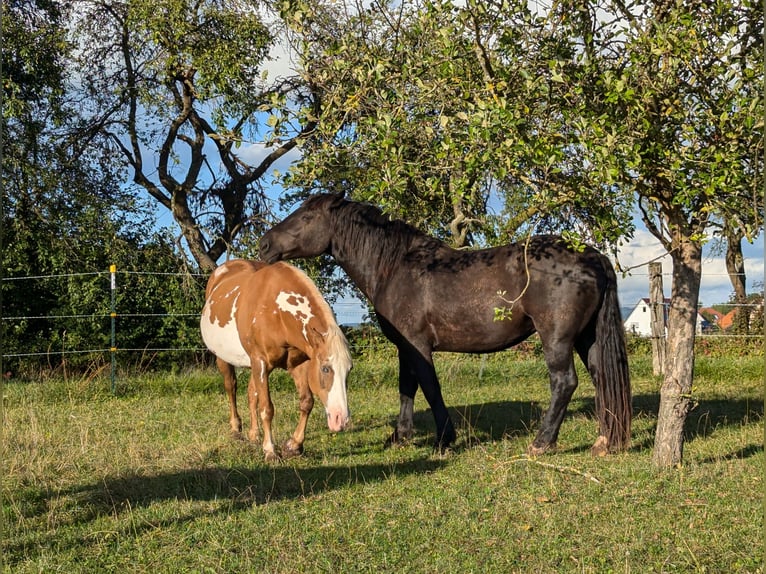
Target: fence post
(113, 315)
(657, 308)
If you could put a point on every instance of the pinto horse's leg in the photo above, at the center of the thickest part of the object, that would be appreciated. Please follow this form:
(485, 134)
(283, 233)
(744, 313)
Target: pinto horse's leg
(259, 397)
(559, 358)
(230, 384)
(294, 445)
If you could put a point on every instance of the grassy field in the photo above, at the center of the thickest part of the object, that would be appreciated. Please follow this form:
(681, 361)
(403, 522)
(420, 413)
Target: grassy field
(148, 479)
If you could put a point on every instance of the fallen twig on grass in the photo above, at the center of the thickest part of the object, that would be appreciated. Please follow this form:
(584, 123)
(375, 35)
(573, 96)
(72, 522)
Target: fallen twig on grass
(567, 469)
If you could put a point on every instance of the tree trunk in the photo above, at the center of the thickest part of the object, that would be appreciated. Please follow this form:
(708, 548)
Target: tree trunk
(675, 393)
(190, 229)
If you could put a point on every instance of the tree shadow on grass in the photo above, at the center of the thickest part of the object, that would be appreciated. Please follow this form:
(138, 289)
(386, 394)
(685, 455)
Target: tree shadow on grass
(706, 416)
(242, 487)
(494, 421)
(227, 490)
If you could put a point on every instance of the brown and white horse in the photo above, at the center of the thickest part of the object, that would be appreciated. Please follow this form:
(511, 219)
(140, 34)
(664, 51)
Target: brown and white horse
(267, 316)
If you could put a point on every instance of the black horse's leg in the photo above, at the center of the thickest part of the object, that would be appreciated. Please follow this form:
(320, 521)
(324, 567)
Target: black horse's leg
(408, 387)
(415, 368)
(560, 361)
(590, 354)
(422, 363)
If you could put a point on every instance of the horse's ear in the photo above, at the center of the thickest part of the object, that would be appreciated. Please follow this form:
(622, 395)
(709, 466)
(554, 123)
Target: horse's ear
(337, 197)
(316, 337)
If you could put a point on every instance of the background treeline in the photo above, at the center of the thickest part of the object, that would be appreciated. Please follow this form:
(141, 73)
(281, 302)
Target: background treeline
(117, 116)
(50, 322)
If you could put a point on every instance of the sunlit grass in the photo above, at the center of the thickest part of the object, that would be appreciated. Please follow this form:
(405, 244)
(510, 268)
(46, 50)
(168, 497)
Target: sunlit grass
(148, 480)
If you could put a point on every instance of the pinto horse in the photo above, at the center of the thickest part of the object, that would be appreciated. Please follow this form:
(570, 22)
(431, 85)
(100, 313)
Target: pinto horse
(266, 316)
(429, 297)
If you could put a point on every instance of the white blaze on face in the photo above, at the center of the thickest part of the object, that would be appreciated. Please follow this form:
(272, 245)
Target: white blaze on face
(298, 306)
(337, 401)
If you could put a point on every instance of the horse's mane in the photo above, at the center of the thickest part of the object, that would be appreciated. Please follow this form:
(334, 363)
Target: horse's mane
(336, 340)
(338, 345)
(364, 228)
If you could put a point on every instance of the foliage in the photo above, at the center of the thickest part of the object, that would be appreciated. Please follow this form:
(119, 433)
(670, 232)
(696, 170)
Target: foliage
(176, 90)
(33, 44)
(429, 108)
(162, 486)
(63, 310)
(438, 112)
(572, 115)
(387, 102)
(681, 96)
(63, 210)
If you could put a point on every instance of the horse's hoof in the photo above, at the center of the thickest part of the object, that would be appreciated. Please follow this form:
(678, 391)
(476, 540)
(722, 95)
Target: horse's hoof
(533, 450)
(237, 435)
(600, 447)
(289, 450)
(272, 457)
(398, 438)
(448, 437)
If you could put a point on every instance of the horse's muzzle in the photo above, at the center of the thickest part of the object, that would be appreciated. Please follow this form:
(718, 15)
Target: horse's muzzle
(337, 421)
(265, 252)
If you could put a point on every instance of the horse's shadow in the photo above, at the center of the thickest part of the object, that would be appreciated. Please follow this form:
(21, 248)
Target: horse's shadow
(222, 490)
(242, 487)
(498, 420)
(227, 489)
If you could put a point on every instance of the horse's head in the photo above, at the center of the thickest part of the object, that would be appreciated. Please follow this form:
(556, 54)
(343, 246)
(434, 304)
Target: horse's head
(329, 369)
(306, 232)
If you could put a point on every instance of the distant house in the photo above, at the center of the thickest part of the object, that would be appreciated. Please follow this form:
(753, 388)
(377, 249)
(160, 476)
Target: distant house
(639, 320)
(712, 315)
(725, 322)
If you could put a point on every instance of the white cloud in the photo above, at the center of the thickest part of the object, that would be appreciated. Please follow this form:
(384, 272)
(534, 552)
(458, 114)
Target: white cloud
(280, 63)
(254, 153)
(715, 285)
(634, 258)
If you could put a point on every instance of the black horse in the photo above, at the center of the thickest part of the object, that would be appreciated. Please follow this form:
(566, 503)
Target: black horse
(429, 297)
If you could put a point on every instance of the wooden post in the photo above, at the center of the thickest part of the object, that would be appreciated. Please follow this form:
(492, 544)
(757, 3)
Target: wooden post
(657, 308)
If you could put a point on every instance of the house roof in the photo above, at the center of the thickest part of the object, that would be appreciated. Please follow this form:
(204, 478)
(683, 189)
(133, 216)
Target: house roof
(713, 313)
(646, 300)
(727, 320)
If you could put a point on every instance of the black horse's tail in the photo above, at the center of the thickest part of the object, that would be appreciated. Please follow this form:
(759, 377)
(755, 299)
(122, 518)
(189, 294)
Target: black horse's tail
(613, 396)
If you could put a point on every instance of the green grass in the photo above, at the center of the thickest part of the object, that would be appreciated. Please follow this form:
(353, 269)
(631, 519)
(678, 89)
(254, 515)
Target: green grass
(148, 480)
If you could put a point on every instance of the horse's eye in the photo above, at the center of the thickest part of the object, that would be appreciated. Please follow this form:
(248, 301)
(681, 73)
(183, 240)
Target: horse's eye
(326, 370)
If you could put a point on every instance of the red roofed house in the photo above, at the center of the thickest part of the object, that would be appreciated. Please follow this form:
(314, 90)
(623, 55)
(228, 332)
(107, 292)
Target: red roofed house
(639, 321)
